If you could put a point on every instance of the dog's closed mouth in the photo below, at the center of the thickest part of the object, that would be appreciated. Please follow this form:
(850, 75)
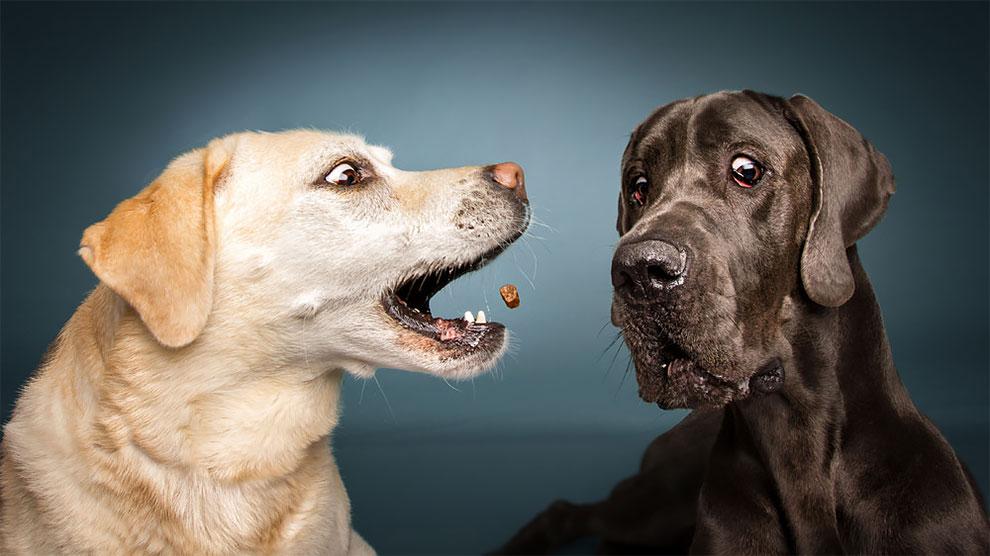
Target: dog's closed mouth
(674, 365)
(409, 305)
(673, 361)
(670, 378)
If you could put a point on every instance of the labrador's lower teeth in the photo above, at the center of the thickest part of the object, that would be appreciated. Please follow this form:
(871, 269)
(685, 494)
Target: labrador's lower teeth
(481, 318)
(469, 317)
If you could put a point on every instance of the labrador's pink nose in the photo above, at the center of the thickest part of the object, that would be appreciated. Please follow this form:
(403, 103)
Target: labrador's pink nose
(510, 175)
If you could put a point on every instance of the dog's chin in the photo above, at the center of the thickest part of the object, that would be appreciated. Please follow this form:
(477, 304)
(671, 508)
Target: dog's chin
(680, 382)
(672, 376)
(680, 365)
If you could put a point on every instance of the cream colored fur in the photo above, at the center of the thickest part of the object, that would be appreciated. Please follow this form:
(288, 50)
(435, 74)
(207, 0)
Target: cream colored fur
(187, 405)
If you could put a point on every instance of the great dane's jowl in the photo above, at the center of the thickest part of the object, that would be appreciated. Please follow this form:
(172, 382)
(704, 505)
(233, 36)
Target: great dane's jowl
(740, 294)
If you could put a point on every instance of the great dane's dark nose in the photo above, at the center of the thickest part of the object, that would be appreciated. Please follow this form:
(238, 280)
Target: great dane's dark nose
(648, 268)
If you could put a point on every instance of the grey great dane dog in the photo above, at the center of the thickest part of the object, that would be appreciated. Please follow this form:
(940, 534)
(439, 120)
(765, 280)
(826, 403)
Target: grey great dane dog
(740, 294)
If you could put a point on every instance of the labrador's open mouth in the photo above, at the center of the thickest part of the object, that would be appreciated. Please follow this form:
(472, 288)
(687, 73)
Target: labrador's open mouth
(409, 304)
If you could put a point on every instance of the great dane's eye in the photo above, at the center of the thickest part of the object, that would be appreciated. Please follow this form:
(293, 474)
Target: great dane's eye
(746, 172)
(343, 174)
(640, 189)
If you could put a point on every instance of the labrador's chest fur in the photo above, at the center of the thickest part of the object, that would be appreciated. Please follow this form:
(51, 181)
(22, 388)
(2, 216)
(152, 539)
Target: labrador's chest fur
(90, 458)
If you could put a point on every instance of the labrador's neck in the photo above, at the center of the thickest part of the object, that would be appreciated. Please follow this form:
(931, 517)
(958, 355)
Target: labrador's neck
(236, 410)
(227, 438)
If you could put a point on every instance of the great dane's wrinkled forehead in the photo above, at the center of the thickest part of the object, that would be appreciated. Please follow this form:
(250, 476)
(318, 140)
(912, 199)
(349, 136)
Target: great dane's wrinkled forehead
(708, 129)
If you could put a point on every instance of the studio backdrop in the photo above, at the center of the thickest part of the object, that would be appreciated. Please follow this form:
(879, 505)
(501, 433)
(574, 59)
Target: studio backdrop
(97, 98)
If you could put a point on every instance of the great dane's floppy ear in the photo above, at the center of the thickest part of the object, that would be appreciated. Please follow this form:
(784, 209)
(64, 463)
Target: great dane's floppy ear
(852, 185)
(156, 249)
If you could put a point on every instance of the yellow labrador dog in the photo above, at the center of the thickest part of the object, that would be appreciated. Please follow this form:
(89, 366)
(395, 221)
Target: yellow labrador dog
(186, 407)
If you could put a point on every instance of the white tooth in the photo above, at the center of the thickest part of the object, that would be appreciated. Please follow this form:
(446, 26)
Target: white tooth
(481, 318)
(468, 316)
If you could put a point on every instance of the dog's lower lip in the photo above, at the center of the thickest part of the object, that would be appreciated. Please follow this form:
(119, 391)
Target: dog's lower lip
(460, 332)
(670, 377)
(678, 367)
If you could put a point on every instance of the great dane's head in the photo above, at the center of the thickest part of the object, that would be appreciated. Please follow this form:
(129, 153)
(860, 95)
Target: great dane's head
(732, 203)
(311, 249)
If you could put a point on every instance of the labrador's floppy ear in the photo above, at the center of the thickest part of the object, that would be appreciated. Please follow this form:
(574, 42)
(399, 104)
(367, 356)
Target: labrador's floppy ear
(852, 184)
(156, 249)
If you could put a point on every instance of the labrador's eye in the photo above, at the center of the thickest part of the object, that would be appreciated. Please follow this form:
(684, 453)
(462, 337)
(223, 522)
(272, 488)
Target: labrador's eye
(343, 174)
(640, 189)
(746, 172)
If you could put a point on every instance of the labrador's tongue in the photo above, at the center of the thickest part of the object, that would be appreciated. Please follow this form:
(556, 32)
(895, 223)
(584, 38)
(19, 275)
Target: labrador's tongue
(452, 329)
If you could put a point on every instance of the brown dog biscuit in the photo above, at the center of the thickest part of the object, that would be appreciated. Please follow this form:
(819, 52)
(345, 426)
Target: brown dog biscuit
(510, 295)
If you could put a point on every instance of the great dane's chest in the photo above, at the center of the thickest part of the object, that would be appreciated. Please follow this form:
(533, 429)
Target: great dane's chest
(758, 496)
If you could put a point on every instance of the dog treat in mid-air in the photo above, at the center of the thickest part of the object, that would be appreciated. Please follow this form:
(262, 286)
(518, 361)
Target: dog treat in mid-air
(510, 295)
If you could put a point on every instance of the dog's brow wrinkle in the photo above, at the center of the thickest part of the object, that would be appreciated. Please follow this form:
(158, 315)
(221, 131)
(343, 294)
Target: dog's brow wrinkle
(381, 154)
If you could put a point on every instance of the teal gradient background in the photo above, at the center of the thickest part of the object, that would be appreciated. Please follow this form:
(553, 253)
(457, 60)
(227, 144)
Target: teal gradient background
(96, 98)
